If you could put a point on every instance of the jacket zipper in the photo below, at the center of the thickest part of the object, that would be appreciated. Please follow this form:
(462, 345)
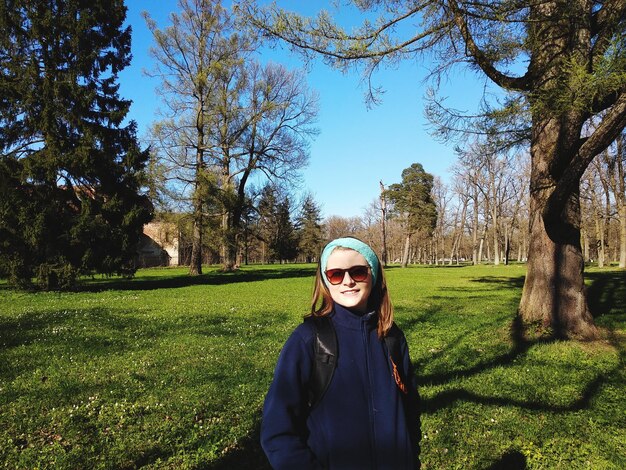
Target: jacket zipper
(365, 334)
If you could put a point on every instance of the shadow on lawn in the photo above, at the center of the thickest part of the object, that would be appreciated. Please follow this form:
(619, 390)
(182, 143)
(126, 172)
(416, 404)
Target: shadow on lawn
(184, 280)
(607, 294)
(511, 460)
(247, 454)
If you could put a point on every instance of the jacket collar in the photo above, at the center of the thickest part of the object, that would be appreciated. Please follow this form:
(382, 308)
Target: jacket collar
(349, 319)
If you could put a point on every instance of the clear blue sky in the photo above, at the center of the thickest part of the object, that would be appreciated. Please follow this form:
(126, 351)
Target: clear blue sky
(357, 147)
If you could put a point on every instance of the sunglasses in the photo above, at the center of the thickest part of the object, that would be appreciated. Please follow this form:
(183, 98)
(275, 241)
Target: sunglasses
(357, 273)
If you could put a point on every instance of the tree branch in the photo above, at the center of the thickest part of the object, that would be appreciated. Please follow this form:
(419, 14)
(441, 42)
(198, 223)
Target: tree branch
(481, 59)
(607, 131)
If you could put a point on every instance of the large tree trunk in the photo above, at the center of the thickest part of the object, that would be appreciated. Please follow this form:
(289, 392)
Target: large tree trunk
(554, 291)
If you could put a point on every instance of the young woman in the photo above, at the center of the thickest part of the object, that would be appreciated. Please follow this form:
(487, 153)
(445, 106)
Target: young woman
(368, 417)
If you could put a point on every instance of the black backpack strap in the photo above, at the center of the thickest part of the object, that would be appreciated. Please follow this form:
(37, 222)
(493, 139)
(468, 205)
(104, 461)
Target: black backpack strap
(392, 342)
(408, 386)
(325, 361)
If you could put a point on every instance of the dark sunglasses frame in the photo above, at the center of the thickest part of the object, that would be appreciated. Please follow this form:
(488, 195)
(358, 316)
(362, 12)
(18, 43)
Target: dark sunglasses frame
(357, 273)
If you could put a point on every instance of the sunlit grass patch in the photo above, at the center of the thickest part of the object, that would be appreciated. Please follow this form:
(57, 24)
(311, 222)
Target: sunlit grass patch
(168, 371)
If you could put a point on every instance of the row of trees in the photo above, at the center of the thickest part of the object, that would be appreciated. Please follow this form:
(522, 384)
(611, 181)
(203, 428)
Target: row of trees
(227, 120)
(274, 229)
(603, 205)
(482, 215)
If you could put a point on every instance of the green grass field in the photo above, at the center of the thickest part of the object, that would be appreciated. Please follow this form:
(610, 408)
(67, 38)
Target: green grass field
(166, 371)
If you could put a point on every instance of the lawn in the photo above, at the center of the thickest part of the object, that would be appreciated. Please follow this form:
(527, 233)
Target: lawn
(166, 371)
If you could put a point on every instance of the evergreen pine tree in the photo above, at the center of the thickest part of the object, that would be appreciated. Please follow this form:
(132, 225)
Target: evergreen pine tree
(70, 171)
(412, 200)
(285, 245)
(309, 229)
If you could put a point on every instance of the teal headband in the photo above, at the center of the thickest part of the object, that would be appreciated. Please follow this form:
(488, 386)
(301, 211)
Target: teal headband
(353, 244)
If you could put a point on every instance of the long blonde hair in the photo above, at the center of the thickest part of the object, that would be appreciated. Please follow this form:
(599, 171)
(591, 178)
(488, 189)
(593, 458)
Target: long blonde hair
(378, 300)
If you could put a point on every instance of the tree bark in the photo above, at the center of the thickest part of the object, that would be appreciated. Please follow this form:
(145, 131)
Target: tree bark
(195, 266)
(405, 256)
(620, 199)
(622, 237)
(600, 240)
(554, 291)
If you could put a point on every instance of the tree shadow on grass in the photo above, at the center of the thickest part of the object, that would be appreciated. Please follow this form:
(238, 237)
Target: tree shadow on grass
(606, 295)
(247, 454)
(184, 280)
(448, 397)
(511, 460)
(502, 281)
(520, 347)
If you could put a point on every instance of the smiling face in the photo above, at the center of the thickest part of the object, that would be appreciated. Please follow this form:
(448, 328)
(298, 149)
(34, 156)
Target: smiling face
(349, 293)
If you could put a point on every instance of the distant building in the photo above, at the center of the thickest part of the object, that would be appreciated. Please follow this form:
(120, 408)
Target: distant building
(159, 245)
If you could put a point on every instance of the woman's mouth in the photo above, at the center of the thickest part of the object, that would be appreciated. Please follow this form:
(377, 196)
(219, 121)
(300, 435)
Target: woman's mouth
(351, 292)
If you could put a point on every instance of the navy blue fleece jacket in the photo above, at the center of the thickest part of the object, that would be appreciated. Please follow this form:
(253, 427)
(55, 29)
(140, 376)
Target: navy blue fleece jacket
(360, 423)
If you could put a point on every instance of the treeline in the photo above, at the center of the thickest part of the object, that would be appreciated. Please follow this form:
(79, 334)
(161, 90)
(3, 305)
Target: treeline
(276, 228)
(481, 216)
(483, 213)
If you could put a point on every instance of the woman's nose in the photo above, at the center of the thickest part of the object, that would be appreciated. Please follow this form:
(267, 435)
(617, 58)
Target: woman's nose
(347, 279)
